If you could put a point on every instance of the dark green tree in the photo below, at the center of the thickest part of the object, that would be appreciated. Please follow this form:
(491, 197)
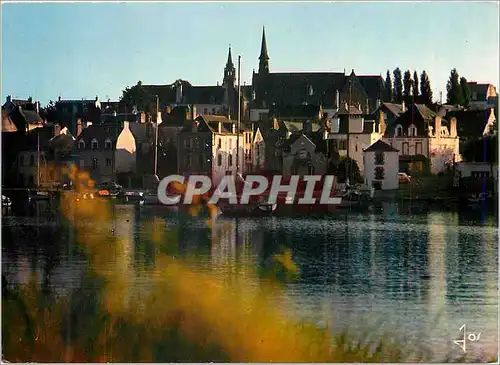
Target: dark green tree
(465, 91)
(388, 85)
(425, 89)
(346, 166)
(137, 96)
(454, 91)
(416, 96)
(408, 87)
(398, 86)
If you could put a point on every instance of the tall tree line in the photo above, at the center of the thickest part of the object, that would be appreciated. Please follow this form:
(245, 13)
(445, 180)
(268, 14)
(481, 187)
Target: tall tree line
(403, 87)
(457, 90)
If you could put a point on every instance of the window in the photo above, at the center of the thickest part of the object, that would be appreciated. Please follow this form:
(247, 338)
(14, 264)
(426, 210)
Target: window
(412, 131)
(230, 160)
(108, 162)
(474, 96)
(379, 158)
(32, 160)
(343, 145)
(95, 163)
(94, 144)
(219, 144)
(108, 144)
(230, 144)
(219, 160)
(81, 144)
(406, 148)
(213, 110)
(418, 148)
(399, 131)
(480, 174)
(356, 148)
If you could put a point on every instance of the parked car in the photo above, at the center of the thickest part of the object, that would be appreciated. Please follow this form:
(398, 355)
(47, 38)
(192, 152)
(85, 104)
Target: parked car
(110, 189)
(404, 178)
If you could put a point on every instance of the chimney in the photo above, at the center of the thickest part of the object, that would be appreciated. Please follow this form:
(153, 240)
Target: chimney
(79, 127)
(219, 125)
(367, 106)
(9, 98)
(59, 98)
(57, 129)
(437, 124)
(403, 106)
(143, 117)
(233, 130)
(453, 127)
(381, 123)
(37, 106)
(30, 100)
(337, 100)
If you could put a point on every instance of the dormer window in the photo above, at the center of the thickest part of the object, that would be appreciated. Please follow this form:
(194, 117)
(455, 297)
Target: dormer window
(94, 144)
(399, 131)
(412, 131)
(108, 144)
(81, 144)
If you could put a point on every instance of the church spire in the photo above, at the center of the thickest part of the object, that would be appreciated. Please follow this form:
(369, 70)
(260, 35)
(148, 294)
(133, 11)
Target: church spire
(264, 57)
(229, 70)
(229, 63)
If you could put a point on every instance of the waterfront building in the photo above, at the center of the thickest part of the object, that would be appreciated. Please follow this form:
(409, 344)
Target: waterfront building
(381, 166)
(207, 145)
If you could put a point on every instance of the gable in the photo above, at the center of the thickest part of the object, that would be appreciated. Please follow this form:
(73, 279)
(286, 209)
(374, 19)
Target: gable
(302, 143)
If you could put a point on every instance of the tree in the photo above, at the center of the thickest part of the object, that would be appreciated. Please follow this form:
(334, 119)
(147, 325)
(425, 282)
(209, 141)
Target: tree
(465, 91)
(453, 90)
(398, 86)
(49, 113)
(137, 96)
(388, 85)
(344, 166)
(425, 89)
(408, 87)
(415, 87)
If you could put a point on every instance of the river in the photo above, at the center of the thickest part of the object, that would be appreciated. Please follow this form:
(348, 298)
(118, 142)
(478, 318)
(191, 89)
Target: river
(415, 276)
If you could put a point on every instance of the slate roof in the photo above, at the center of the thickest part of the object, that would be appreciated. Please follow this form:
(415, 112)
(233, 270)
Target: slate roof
(419, 115)
(380, 146)
(480, 89)
(31, 141)
(101, 132)
(295, 111)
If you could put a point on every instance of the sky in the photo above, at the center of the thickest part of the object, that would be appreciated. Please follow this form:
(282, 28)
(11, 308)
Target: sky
(83, 50)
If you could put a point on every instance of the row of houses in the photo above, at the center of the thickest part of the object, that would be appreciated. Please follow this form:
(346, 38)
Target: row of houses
(299, 140)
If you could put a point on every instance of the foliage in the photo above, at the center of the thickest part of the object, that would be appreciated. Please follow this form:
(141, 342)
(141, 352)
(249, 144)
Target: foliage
(408, 87)
(454, 91)
(388, 85)
(379, 173)
(138, 96)
(415, 87)
(346, 166)
(465, 91)
(398, 86)
(425, 89)
(482, 150)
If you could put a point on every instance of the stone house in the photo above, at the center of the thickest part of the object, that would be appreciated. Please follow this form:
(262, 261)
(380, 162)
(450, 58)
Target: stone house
(381, 166)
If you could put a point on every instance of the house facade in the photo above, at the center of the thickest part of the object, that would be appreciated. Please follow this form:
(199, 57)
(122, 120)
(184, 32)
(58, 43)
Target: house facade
(423, 138)
(304, 157)
(208, 146)
(107, 152)
(381, 166)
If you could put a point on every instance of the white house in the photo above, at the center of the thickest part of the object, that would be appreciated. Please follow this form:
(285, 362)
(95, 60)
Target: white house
(381, 166)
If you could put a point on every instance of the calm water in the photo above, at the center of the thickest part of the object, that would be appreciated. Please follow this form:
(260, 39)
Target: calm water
(418, 277)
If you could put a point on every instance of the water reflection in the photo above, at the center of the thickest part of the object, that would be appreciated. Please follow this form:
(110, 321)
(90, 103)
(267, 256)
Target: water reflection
(354, 269)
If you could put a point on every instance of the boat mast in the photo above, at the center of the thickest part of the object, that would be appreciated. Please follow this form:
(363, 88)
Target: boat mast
(38, 161)
(348, 130)
(156, 139)
(239, 118)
